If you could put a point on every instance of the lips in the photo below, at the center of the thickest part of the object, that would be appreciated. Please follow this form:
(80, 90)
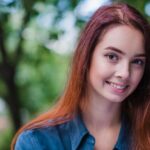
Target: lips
(118, 86)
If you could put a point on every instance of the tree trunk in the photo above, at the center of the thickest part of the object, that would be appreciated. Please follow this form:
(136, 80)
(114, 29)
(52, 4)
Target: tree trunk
(12, 98)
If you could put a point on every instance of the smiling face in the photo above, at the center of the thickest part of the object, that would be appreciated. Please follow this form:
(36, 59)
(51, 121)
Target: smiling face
(117, 64)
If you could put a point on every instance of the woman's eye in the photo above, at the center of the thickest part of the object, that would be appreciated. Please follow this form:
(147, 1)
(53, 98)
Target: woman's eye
(139, 62)
(112, 57)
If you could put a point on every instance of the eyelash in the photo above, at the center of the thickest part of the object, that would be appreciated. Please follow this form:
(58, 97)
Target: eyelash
(138, 62)
(114, 58)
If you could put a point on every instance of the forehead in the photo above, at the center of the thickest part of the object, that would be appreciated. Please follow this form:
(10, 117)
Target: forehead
(124, 37)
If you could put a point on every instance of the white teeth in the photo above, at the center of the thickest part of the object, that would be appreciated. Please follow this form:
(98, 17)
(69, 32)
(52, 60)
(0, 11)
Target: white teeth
(120, 87)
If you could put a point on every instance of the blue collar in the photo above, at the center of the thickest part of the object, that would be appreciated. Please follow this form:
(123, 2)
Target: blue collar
(79, 131)
(125, 138)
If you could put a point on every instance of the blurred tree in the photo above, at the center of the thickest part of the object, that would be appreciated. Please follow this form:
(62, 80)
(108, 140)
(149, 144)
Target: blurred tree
(139, 4)
(26, 64)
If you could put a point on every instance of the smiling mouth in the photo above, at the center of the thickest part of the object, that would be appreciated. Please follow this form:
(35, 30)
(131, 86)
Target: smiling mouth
(117, 86)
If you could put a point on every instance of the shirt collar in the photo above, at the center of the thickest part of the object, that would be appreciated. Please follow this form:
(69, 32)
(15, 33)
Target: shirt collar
(124, 139)
(78, 131)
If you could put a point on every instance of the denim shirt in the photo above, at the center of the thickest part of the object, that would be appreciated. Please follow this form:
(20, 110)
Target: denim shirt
(71, 135)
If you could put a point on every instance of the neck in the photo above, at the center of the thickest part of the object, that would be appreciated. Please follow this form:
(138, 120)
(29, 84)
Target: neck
(100, 114)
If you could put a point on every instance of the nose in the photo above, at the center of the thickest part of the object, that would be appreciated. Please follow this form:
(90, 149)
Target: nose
(123, 71)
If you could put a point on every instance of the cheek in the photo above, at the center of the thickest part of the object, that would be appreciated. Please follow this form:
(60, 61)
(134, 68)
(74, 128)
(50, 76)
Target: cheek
(136, 78)
(99, 72)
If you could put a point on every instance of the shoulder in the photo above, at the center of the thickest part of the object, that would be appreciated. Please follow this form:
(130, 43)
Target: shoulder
(42, 138)
(65, 136)
(26, 140)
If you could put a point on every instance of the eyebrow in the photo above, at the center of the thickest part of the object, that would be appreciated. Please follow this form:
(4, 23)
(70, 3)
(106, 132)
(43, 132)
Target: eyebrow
(123, 53)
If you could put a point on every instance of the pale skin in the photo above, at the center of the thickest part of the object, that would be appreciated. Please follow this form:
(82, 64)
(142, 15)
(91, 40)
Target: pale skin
(116, 69)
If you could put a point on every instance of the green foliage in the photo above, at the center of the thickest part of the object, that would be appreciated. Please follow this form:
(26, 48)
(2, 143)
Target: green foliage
(138, 4)
(40, 79)
(40, 73)
(5, 139)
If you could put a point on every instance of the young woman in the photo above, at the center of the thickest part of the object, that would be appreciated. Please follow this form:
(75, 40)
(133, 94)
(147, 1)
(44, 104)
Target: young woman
(106, 104)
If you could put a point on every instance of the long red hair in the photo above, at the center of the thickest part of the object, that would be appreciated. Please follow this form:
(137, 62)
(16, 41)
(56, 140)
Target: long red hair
(136, 106)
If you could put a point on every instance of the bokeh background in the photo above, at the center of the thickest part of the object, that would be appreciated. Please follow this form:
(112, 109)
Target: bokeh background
(37, 40)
